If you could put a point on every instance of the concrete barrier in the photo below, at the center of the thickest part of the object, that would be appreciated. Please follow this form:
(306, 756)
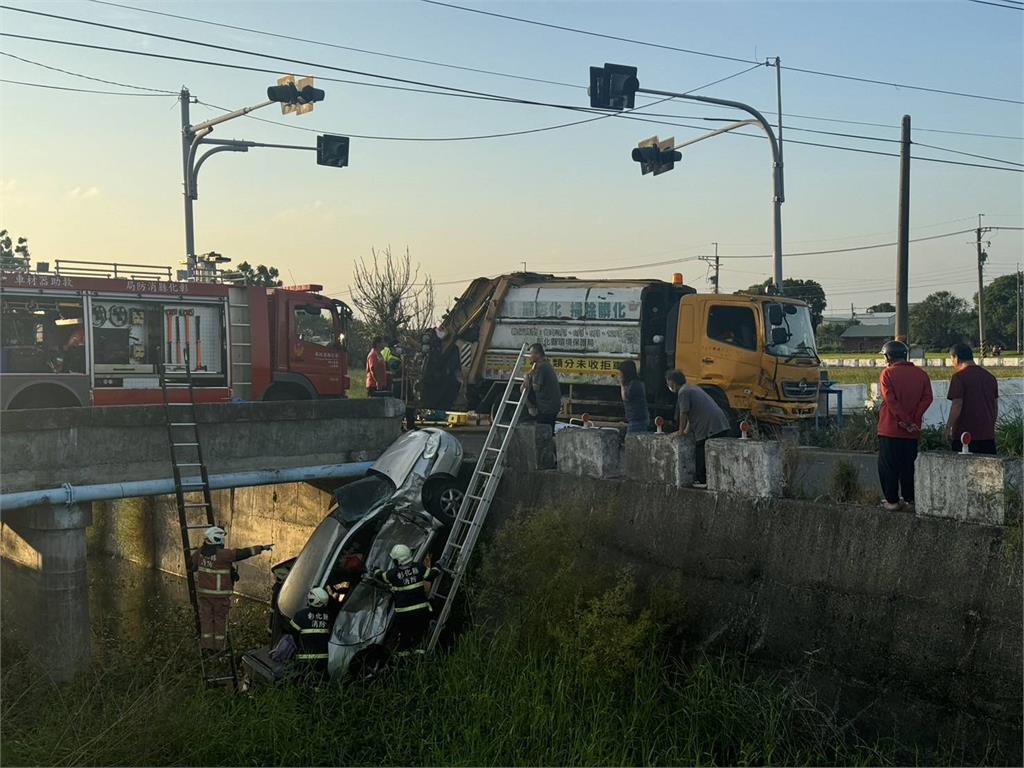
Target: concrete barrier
(969, 488)
(747, 468)
(660, 459)
(589, 452)
(531, 447)
(840, 475)
(85, 446)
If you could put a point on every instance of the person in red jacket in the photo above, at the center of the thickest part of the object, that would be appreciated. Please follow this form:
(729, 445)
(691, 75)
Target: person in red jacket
(906, 394)
(376, 370)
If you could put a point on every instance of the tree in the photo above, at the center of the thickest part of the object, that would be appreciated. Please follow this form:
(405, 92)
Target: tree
(261, 275)
(940, 321)
(885, 306)
(14, 257)
(1000, 311)
(808, 291)
(828, 335)
(392, 297)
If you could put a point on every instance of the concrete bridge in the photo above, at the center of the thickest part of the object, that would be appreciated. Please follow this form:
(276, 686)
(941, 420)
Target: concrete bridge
(55, 462)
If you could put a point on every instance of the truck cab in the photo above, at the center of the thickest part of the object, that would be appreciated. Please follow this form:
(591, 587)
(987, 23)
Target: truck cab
(755, 353)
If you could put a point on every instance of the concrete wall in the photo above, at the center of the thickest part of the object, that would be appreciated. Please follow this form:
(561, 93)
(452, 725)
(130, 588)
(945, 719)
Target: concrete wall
(912, 624)
(814, 473)
(146, 530)
(83, 446)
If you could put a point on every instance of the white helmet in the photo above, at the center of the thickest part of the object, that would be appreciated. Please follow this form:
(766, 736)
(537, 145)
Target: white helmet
(401, 554)
(215, 535)
(317, 597)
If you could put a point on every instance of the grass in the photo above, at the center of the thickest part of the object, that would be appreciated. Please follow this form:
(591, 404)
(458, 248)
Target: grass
(357, 383)
(870, 375)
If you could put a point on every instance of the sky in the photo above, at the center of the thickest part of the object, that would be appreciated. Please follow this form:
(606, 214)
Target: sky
(98, 176)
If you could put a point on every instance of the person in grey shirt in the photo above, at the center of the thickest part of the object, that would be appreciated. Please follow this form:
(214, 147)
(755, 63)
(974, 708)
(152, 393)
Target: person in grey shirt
(541, 384)
(699, 415)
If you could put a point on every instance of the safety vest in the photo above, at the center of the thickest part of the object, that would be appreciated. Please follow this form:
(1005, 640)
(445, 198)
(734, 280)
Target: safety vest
(313, 626)
(213, 572)
(408, 584)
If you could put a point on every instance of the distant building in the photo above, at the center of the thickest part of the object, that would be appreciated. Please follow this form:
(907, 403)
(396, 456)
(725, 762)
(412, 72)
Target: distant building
(868, 337)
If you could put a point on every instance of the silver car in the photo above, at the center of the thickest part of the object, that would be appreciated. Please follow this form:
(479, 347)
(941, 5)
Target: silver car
(409, 496)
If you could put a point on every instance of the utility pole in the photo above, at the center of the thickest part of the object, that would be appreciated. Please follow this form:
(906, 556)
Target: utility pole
(713, 260)
(185, 98)
(903, 238)
(981, 287)
(1020, 295)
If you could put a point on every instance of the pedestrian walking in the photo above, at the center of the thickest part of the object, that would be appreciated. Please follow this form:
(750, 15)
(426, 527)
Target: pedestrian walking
(974, 403)
(543, 390)
(906, 394)
(699, 415)
(215, 577)
(408, 582)
(634, 399)
(376, 370)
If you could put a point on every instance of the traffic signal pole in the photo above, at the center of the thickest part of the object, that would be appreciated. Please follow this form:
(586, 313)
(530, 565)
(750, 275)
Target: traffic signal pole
(777, 175)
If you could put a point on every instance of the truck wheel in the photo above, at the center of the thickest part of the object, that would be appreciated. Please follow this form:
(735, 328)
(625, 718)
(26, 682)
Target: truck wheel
(723, 402)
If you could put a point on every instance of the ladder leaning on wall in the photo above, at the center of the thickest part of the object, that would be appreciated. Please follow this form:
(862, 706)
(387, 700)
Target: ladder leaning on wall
(477, 502)
(192, 494)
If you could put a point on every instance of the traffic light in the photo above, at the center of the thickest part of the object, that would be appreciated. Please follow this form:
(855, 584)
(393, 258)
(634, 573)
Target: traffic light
(613, 86)
(295, 96)
(656, 156)
(332, 150)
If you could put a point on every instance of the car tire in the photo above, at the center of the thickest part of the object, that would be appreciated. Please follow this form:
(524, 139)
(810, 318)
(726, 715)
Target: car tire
(443, 497)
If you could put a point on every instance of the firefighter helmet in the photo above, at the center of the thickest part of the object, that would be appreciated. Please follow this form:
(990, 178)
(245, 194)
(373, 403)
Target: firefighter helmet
(401, 554)
(317, 597)
(215, 535)
(895, 350)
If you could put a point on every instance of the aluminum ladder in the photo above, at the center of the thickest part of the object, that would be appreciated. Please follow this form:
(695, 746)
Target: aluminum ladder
(192, 494)
(469, 520)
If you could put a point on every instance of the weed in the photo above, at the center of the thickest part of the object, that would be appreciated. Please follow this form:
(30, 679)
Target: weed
(845, 483)
(1010, 432)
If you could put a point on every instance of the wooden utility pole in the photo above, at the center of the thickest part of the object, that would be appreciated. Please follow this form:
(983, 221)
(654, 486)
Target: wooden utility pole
(903, 237)
(713, 260)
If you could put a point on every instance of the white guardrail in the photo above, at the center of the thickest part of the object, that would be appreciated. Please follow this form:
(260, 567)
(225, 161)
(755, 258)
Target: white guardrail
(1003, 361)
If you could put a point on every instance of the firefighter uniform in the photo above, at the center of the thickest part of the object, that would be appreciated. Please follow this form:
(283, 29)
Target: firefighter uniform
(408, 585)
(312, 626)
(214, 587)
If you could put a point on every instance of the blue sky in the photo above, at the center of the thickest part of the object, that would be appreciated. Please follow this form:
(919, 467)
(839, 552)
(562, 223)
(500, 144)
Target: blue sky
(99, 177)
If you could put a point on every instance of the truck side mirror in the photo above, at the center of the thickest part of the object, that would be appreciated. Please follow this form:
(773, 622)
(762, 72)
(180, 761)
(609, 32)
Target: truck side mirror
(779, 335)
(775, 314)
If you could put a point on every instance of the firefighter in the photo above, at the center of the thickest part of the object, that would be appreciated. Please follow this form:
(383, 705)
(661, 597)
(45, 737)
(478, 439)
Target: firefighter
(312, 627)
(214, 575)
(407, 581)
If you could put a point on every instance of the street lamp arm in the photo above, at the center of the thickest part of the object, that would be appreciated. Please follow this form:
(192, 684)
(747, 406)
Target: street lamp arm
(202, 159)
(229, 116)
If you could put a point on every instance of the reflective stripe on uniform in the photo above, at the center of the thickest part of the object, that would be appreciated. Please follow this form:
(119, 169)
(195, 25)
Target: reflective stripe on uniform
(416, 607)
(310, 656)
(215, 592)
(417, 585)
(323, 631)
(218, 571)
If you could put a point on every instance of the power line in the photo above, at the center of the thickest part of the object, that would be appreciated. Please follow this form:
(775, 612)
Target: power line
(81, 90)
(86, 77)
(447, 90)
(649, 44)
(478, 70)
(997, 5)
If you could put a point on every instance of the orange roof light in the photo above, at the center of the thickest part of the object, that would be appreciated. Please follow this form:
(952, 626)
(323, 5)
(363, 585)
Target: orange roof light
(677, 278)
(310, 288)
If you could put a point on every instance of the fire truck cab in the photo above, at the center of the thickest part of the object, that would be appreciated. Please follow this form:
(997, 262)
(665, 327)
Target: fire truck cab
(97, 335)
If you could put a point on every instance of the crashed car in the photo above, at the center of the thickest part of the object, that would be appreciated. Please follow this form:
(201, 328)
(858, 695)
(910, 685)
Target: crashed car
(409, 496)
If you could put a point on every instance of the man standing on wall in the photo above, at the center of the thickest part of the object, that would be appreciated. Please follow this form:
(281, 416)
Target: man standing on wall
(906, 394)
(214, 577)
(698, 415)
(974, 393)
(376, 370)
(543, 390)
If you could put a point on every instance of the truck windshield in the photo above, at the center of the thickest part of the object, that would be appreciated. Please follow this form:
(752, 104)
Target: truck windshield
(800, 331)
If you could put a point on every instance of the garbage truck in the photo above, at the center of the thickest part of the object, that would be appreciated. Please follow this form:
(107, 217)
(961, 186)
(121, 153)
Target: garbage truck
(754, 354)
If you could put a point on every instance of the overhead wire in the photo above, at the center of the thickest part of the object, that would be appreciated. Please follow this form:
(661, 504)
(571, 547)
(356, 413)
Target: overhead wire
(83, 90)
(86, 77)
(997, 5)
(650, 44)
(478, 70)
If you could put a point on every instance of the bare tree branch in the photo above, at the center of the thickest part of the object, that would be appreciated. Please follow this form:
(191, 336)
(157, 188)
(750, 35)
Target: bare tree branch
(391, 297)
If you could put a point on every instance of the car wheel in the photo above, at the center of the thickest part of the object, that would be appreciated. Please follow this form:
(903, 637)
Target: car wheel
(444, 498)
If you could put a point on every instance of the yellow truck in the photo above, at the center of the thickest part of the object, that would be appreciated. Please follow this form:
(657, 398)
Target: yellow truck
(753, 354)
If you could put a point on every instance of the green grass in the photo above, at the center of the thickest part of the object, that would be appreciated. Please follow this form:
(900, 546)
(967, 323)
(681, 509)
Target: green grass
(870, 375)
(357, 383)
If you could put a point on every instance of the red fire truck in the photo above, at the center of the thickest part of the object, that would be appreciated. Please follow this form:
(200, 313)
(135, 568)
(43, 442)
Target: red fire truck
(96, 334)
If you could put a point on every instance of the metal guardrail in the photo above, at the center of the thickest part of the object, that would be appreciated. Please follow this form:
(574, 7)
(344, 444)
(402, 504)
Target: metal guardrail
(79, 268)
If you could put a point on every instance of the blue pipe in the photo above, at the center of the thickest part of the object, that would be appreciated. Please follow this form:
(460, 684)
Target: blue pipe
(80, 494)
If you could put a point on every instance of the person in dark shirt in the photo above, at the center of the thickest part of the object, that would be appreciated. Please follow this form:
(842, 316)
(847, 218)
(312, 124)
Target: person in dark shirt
(312, 629)
(409, 585)
(974, 396)
(543, 391)
(634, 398)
